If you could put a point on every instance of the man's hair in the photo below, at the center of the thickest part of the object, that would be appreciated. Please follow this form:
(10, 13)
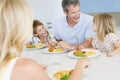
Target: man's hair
(67, 3)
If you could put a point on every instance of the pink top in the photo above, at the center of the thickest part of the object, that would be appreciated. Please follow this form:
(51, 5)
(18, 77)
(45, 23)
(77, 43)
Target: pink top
(107, 45)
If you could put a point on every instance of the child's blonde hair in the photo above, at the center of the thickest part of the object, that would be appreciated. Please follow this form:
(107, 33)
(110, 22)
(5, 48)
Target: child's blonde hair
(15, 28)
(104, 24)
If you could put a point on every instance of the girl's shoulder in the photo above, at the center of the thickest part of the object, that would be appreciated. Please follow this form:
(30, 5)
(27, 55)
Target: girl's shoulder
(52, 37)
(50, 34)
(112, 36)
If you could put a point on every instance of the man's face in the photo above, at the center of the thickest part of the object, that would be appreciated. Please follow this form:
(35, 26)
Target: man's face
(73, 13)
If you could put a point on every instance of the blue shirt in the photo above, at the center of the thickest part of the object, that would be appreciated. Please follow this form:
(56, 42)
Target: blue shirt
(83, 29)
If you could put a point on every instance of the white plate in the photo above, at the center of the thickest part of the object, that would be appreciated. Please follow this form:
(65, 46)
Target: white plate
(46, 51)
(43, 46)
(70, 54)
(55, 68)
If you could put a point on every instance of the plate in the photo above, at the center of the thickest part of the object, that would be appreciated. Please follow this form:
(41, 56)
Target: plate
(70, 54)
(43, 46)
(46, 51)
(53, 69)
(56, 68)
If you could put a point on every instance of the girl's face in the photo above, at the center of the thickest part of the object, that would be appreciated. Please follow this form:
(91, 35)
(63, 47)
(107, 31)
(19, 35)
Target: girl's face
(94, 28)
(41, 31)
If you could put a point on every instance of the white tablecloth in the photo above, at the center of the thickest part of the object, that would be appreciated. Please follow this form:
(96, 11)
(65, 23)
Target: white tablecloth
(102, 68)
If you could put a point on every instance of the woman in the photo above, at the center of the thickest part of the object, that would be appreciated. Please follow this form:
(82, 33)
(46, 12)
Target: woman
(15, 30)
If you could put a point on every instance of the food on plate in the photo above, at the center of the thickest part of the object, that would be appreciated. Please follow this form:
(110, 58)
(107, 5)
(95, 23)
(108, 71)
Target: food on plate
(82, 53)
(55, 49)
(51, 48)
(30, 45)
(38, 45)
(79, 53)
(62, 74)
(90, 53)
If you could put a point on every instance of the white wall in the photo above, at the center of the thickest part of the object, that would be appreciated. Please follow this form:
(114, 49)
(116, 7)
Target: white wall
(46, 10)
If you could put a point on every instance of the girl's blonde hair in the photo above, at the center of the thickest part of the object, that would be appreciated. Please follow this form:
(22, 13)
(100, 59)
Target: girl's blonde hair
(15, 28)
(105, 24)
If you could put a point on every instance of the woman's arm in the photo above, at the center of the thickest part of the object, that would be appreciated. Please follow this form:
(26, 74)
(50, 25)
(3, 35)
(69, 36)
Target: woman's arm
(78, 72)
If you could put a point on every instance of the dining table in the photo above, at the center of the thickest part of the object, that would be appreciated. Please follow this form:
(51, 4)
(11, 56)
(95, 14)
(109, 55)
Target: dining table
(108, 67)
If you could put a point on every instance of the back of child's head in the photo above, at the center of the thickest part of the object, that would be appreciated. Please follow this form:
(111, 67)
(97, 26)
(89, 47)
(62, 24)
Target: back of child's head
(104, 24)
(15, 28)
(36, 23)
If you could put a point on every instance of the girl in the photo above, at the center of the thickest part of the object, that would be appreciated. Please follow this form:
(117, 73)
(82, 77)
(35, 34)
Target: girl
(106, 40)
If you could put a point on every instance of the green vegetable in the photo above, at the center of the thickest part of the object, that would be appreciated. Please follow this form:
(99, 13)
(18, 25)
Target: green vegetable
(80, 55)
(66, 77)
(33, 46)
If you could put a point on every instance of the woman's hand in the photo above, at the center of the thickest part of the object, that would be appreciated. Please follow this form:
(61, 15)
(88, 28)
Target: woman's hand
(78, 72)
(43, 66)
(83, 63)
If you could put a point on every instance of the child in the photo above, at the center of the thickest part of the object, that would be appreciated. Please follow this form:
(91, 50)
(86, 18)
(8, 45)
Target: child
(106, 40)
(41, 34)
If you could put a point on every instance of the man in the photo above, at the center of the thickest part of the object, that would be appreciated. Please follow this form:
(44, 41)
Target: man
(75, 29)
